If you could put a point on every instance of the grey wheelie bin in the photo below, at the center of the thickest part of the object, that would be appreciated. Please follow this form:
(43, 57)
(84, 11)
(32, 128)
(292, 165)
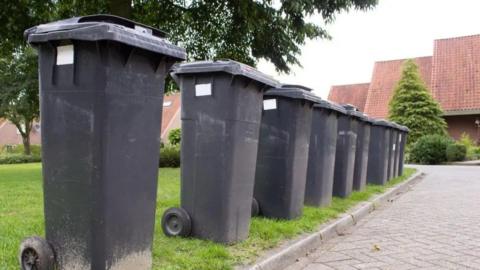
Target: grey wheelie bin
(345, 154)
(361, 152)
(402, 143)
(392, 150)
(321, 157)
(283, 151)
(378, 153)
(101, 90)
(396, 163)
(221, 113)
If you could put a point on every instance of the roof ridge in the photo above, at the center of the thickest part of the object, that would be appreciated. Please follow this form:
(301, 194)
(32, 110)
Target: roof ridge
(403, 59)
(348, 84)
(457, 37)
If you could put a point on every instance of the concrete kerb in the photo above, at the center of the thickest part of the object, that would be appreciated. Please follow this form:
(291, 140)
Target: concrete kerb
(288, 253)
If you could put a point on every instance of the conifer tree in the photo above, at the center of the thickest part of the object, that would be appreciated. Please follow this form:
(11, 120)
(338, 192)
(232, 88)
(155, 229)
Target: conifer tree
(412, 105)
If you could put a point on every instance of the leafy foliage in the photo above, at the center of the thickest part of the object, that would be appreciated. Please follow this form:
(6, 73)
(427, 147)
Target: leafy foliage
(245, 30)
(170, 156)
(18, 158)
(19, 100)
(175, 136)
(456, 152)
(430, 149)
(470, 145)
(413, 106)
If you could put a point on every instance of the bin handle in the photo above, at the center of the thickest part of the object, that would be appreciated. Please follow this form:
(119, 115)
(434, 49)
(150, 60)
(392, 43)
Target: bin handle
(124, 22)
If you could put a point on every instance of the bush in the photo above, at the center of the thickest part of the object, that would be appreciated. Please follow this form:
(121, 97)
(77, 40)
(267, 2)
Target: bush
(476, 153)
(468, 142)
(19, 158)
(456, 152)
(430, 149)
(170, 156)
(174, 136)
(18, 149)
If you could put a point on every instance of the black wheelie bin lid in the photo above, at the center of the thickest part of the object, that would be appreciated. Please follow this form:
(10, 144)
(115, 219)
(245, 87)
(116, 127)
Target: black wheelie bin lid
(227, 66)
(382, 122)
(404, 129)
(397, 126)
(368, 119)
(106, 27)
(354, 112)
(293, 92)
(324, 104)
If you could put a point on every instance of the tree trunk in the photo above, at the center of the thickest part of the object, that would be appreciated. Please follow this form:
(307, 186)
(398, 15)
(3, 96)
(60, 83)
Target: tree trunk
(26, 144)
(122, 8)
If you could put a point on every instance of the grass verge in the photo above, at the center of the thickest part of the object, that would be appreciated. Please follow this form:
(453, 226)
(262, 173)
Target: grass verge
(21, 215)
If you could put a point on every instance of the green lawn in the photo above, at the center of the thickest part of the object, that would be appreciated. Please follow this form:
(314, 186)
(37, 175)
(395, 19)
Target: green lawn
(21, 215)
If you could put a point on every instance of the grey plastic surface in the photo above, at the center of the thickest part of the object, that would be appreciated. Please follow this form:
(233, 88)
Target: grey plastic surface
(283, 156)
(225, 66)
(381, 122)
(396, 158)
(321, 157)
(106, 27)
(220, 130)
(361, 152)
(378, 154)
(393, 148)
(345, 155)
(330, 106)
(403, 141)
(361, 156)
(292, 93)
(101, 118)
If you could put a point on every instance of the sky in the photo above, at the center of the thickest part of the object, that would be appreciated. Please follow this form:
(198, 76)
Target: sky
(394, 29)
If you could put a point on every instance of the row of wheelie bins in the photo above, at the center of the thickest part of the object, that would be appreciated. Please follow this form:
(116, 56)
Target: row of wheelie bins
(250, 146)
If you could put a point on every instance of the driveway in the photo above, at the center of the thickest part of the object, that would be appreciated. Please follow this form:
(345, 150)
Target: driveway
(434, 226)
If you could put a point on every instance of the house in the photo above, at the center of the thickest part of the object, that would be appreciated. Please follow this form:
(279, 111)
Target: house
(355, 94)
(452, 75)
(171, 114)
(9, 134)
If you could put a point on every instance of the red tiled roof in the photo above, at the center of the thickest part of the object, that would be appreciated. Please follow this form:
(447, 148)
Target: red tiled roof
(384, 79)
(171, 108)
(355, 94)
(456, 73)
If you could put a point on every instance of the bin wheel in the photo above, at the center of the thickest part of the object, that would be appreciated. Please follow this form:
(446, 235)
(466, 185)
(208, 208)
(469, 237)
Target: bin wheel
(36, 254)
(255, 208)
(176, 222)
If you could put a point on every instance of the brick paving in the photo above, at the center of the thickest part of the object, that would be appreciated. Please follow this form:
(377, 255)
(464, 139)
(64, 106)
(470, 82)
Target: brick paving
(434, 226)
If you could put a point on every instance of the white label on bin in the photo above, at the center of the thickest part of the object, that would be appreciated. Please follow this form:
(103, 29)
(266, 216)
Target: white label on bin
(394, 146)
(400, 138)
(269, 104)
(204, 89)
(64, 55)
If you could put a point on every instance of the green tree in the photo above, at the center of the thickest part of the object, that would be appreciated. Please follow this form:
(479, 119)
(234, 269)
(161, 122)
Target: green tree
(413, 106)
(19, 100)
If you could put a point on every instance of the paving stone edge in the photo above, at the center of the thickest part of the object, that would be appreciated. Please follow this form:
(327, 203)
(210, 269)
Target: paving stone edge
(287, 254)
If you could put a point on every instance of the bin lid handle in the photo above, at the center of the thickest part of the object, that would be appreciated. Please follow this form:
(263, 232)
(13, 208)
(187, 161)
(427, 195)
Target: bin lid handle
(75, 22)
(124, 22)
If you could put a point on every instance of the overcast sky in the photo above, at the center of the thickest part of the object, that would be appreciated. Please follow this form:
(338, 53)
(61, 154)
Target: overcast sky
(395, 29)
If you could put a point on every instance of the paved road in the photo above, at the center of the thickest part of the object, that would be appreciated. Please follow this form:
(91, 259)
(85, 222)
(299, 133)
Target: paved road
(434, 226)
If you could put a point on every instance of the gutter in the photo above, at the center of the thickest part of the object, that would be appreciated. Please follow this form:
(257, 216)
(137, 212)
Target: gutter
(461, 112)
